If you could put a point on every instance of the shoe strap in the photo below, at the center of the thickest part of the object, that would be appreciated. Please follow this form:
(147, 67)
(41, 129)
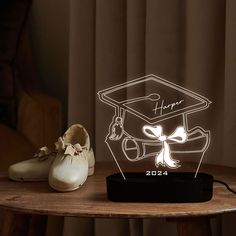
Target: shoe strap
(43, 153)
(68, 148)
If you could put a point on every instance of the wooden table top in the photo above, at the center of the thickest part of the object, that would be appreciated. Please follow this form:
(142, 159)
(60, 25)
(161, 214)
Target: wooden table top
(91, 200)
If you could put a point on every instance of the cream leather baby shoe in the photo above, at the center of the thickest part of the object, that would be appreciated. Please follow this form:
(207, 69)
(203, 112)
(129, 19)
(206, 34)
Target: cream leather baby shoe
(35, 169)
(74, 161)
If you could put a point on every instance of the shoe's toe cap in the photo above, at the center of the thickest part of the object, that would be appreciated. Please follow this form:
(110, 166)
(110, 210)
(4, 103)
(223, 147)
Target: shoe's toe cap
(68, 174)
(16, 172)
(30, 170)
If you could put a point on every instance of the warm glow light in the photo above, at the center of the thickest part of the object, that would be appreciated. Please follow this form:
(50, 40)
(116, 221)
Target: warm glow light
(153, 102)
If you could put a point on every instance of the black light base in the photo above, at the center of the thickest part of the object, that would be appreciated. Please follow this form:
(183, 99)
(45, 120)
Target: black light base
(176, 187)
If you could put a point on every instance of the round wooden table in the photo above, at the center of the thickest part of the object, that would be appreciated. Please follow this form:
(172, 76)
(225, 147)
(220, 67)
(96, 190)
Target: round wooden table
(29, 203)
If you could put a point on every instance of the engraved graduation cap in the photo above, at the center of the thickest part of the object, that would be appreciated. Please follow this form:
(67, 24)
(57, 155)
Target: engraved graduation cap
(138, 96)
(152, 112)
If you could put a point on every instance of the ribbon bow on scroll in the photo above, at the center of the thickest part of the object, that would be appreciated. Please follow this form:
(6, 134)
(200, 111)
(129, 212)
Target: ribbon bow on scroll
(164, 156)
(68, 148)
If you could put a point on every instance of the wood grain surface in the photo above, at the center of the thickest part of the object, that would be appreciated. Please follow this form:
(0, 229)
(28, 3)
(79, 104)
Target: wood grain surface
(91, 200)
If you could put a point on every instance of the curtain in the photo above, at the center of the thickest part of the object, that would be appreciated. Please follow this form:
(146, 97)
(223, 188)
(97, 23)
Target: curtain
(188, 42)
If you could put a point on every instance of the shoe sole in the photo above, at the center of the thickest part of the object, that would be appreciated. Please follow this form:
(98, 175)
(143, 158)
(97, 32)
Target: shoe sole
(91, 171)
(28, 180)
(59, 189)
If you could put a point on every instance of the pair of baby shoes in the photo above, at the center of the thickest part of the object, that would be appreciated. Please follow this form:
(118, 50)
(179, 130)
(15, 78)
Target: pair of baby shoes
(66, 167)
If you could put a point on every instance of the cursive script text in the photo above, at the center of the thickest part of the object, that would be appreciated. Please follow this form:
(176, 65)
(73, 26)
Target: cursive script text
(162, 106)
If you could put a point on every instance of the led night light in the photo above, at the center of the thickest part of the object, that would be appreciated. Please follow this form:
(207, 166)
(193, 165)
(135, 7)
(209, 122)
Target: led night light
(156, 106)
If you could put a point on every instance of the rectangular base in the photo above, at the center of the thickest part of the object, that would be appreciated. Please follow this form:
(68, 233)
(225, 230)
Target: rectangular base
(176, 187)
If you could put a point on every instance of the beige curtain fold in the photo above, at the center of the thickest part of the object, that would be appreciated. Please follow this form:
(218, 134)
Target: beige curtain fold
(188, 42)
(204, 65)
(230, 84)
(81, 106)
(135, 38)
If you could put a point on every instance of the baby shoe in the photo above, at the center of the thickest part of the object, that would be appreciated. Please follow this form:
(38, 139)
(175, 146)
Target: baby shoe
(74, 161)
(35, 169)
